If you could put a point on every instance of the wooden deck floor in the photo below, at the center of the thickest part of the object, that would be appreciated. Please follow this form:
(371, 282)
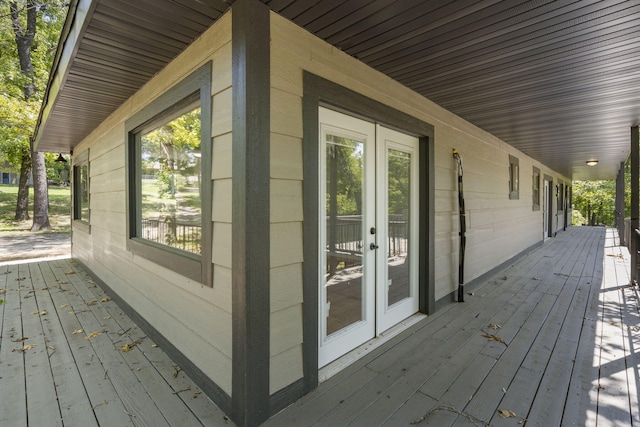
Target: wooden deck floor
(552, 340)
(70, 357)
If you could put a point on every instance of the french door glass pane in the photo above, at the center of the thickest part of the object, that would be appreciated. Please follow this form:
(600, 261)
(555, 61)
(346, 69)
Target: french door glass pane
(398, 196)
(344, 232)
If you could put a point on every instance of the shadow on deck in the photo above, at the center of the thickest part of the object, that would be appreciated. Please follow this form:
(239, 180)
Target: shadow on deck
(551, 340)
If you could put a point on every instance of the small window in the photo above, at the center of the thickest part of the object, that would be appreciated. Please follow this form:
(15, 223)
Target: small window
(536, 189)
(560, 189)
(81, 208)
(169, 178)
(514, 178)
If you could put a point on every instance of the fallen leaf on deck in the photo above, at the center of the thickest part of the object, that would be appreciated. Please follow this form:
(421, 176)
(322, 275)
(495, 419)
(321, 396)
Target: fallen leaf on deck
(504, 413)
(93, 334)
(504, 390)
(154, 345)
(20, 279)
(2, 291)
(129, 347)
(64, 306)
(1, 301)
(44, 289)
(72, 312)
(70, 272)
(634, 328)
(107, 299)
(107, 317)
(92, 303)
(78, 331)
(28, 347)
(535, 278)
(470, 293)
(494, 338)
(42, 313)
(494, 326)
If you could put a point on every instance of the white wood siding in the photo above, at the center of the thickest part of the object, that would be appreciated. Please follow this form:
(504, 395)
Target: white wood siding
(498, 228)
(194, 317)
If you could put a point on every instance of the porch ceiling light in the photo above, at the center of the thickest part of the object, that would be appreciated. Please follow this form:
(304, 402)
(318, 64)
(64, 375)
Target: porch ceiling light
(60, 159)
(592, 162)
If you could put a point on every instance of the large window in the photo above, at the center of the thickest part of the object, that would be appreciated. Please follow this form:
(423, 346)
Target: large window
(81, 211)
(170, 161)
(169, 169)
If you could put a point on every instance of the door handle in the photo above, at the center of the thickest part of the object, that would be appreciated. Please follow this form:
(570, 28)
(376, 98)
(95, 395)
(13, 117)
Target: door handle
(373, 246)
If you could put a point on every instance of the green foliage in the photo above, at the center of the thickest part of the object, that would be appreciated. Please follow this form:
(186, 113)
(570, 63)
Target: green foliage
(17, 115)
(577, 218)
(345, 158)
(595, 197)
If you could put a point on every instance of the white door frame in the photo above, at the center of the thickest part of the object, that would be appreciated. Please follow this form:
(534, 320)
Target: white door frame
(376, 315)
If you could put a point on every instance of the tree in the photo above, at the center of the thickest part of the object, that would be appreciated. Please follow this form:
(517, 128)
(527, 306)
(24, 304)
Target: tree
(28, 36)
(595, 200)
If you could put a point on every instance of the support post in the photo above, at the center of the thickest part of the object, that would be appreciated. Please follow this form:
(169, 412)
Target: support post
(250, 236)
(620, 204)
(635, 207)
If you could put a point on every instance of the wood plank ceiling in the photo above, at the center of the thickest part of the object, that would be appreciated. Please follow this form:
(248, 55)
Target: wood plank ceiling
(559, 80)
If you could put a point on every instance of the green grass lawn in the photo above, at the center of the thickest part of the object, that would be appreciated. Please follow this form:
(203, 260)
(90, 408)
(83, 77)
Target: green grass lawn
(59, 209)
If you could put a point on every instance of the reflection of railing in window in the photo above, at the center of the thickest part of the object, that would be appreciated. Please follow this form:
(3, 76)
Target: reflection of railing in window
(172, 233)
(345, 243)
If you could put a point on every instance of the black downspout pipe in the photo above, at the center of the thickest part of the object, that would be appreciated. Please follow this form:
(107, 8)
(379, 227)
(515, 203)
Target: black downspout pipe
(463, 228)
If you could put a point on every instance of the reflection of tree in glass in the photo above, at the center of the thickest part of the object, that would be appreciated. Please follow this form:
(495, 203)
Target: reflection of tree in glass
(174, 149)
(345, 155)
(171, 206)
(399, 173)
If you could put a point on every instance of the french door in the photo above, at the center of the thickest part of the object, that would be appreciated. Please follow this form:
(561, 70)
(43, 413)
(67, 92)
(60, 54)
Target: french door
(368, 228)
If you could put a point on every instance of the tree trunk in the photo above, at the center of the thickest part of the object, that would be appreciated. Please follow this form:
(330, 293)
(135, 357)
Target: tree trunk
(24, 41)
(40, 193)
(22, 206)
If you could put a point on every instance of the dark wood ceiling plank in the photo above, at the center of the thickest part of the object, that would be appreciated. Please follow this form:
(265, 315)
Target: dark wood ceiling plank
(484, 29)
(564, 52)
(325, 11)
(101, 48)
(139, 35)
(504, 45)
(177, 28)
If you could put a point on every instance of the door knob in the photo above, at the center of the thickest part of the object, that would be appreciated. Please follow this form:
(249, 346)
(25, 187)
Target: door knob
(373, 246)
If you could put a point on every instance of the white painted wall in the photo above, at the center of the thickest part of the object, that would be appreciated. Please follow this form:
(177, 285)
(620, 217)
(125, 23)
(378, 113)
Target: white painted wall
(194, 317)
(497, 228)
